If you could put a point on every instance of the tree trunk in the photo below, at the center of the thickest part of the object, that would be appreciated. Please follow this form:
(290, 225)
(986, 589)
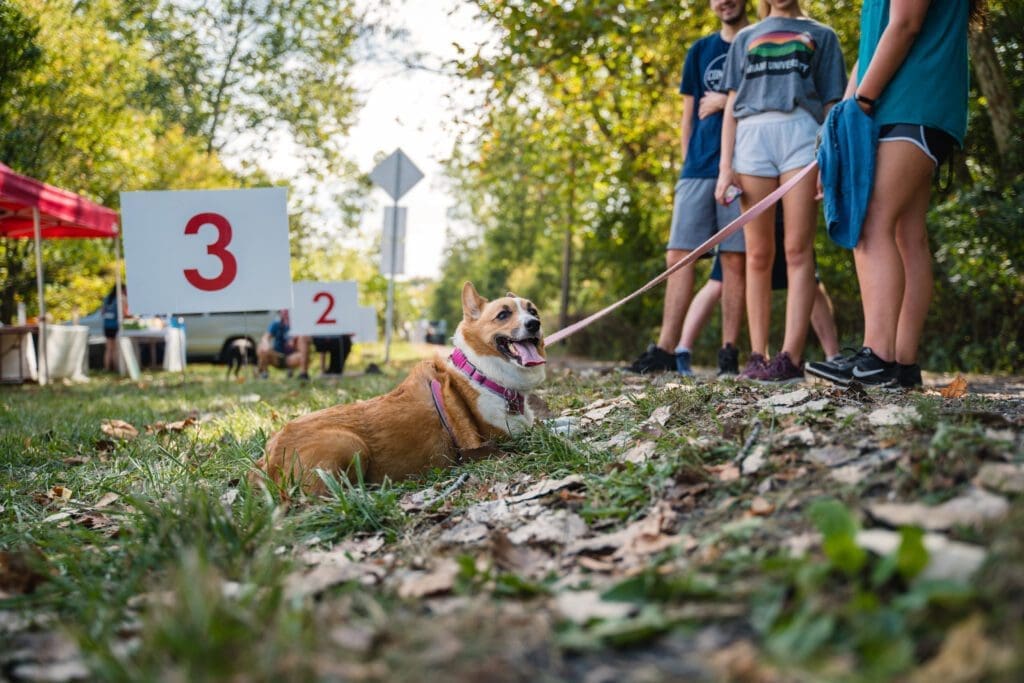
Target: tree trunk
(994, 87)
(563, 310)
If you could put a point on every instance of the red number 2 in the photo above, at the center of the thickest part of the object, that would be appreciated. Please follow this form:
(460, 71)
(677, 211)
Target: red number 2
(229, 266)
(323, 319)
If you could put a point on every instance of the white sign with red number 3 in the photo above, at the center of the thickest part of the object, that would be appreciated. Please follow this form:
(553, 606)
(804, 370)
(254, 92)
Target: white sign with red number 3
(324, 309)
(203, 251)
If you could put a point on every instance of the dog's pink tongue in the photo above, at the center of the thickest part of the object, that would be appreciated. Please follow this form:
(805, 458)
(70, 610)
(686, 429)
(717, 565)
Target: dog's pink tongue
(528, 353)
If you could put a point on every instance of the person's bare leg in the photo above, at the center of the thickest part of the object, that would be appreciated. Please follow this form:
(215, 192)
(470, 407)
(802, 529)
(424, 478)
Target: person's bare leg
(110, 355)
(263, 357)
(734, 282)
(912, 243)
(902, 175)
(302, 345)
(800, 213)
(697, 316)
(759, 235)
(824, 322)
(678, 291)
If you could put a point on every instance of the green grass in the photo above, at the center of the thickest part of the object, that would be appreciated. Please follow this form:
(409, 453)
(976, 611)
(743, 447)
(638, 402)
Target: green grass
(186, 574)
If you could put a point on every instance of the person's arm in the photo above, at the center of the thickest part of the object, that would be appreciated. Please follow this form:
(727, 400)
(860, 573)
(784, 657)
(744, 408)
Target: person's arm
(851, 83)
(266, 343)
(711, 103)
(726, 176)
(905, 20)
(686, 126)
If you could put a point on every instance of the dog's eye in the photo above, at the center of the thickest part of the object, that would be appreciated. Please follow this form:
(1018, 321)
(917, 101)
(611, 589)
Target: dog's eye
(533, 311)
(504, 315)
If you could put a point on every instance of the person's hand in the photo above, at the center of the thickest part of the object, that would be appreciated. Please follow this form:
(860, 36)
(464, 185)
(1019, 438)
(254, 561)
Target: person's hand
(726, 177)
(819, 191)
(711, 103)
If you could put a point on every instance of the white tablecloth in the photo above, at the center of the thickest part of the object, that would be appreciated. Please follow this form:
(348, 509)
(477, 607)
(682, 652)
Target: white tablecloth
(17, 354)
(67, 352)
(173, 339)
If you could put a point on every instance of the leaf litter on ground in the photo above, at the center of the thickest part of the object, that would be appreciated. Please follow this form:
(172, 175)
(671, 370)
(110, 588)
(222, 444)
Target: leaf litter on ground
(684, 491)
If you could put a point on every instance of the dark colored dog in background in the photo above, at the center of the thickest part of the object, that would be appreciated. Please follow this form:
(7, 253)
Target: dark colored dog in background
(238, 354)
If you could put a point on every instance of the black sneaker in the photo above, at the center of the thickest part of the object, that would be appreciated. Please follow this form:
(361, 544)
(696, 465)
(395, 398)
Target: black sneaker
(654, 359)
(728, 361)
(872, 371)
(838, 370)
(909, 376)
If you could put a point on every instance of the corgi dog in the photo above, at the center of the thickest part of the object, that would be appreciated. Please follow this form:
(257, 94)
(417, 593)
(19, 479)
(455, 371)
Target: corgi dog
(447, 411)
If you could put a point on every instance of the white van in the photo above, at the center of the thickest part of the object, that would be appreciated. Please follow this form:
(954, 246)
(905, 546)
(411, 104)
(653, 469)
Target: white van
(207, 335)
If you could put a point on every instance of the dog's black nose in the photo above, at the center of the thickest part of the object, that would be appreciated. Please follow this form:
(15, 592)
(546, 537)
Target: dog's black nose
(532, 326)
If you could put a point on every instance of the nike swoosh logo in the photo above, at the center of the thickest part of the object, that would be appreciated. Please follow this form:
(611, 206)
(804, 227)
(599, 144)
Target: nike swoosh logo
(858, 373)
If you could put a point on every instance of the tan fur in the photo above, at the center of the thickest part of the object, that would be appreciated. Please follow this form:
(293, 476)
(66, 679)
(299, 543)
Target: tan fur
(399, 435)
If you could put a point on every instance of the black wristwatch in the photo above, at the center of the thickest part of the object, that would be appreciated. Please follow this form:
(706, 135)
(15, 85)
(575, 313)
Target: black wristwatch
(866, 100)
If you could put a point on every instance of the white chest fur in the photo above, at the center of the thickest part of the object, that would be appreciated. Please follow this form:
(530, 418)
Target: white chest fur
(494, 410)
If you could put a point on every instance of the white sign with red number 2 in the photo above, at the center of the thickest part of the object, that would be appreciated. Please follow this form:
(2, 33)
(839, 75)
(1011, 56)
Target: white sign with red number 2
(324, 309)
(203, 251)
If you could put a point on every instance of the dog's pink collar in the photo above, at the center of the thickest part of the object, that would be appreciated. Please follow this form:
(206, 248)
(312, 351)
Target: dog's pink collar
(515, 400)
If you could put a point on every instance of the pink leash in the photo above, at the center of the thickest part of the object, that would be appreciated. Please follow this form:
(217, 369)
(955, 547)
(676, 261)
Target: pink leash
(750, 214)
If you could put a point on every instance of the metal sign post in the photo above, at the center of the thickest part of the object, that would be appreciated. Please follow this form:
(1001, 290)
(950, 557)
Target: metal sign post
(396, 175)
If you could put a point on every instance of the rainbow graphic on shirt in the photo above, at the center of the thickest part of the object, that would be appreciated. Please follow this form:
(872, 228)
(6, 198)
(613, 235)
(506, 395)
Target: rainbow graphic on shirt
(780, 52)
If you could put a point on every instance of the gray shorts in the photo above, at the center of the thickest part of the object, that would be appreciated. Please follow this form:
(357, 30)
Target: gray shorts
(696, 216)
(769, 144)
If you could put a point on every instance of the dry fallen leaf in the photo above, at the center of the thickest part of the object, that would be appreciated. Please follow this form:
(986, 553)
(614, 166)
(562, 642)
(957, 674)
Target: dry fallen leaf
(967, 654)
(581, 607)
(727, 472)
(118, 429)
(17, 575)
(956, 389)
(761, 507)
(170, 427)
(640, 453)
(422, 584)
(546, 486)
(1001, 477)
(59, 493)
(106, 499)
(559, 526)
(516, 558)
(972, 508)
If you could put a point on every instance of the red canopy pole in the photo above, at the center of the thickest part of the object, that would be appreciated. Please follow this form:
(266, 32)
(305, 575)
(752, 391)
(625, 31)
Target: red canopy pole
(44, 374)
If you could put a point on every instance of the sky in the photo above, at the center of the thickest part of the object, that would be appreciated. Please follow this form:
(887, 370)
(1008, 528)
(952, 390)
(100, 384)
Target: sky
(407, 109)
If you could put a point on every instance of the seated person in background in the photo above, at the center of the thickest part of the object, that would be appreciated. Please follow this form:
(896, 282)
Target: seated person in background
(111, 325)
(281, 350)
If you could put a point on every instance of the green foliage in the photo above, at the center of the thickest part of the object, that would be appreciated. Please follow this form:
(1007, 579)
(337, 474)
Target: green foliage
(102, 97)
(839, 532)
(577, 142)
(979, 275)
(352, 508)
(875, 608)
(18, 49)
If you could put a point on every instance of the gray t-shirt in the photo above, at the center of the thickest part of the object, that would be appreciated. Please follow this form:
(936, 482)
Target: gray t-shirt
(779, 64)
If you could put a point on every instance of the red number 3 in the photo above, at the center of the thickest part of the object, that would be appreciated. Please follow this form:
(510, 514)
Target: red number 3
(229, 266)
(323, 319)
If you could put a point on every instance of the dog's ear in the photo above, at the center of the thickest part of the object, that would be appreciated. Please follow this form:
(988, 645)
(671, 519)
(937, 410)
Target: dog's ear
(512, 295)
(472, 303)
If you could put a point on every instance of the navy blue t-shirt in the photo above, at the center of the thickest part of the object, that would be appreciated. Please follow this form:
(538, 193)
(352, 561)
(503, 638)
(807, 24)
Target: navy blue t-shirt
(279, 332)
(703, 72)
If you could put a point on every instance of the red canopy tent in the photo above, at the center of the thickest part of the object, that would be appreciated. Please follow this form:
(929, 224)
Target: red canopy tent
(30, 208)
